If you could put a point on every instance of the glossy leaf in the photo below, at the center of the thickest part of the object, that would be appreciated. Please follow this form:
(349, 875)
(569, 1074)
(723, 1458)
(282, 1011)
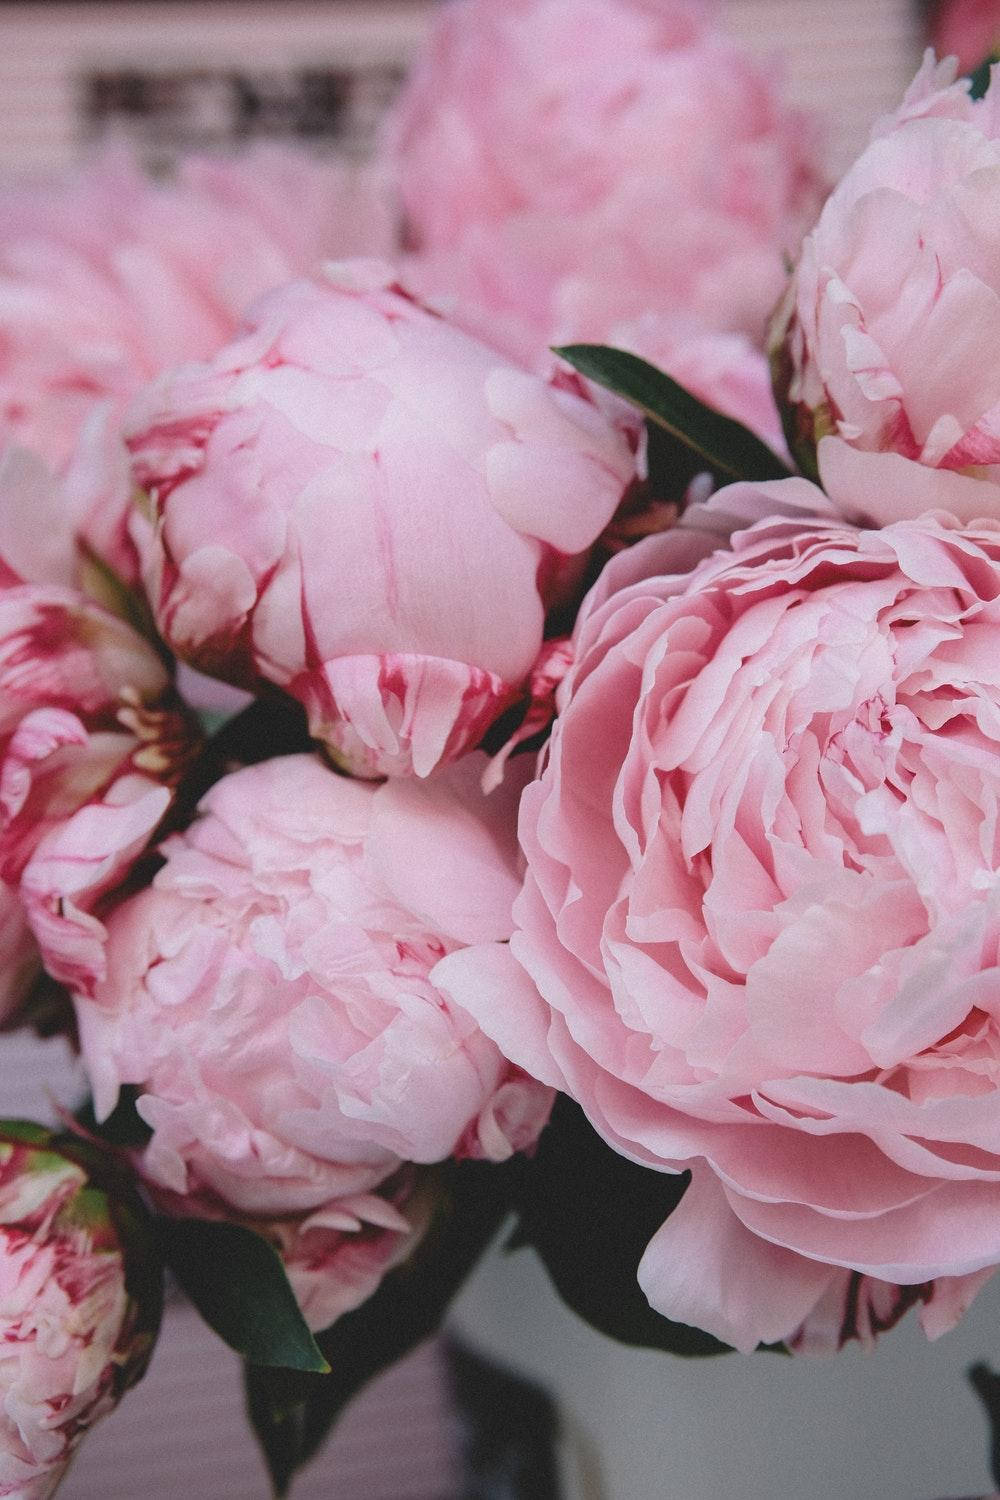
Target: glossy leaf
(724, 447)
(237, 1282)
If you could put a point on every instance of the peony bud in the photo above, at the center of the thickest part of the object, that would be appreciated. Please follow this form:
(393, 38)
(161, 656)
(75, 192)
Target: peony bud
(75, 1331)
(362, 504)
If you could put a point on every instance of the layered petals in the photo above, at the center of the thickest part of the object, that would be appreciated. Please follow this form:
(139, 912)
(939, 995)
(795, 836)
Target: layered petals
(107, 278)
(270, 994)
(885, 341)
(568, 166)
(759, 935)
(92, 743)
(73, 1336)
(362, 504)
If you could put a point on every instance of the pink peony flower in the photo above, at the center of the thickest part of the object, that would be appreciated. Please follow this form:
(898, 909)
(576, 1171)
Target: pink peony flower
(270, 991)
(565, 165)
(759, 935)
(968, 30)
(92, 741)
(891, 321)
(107, 278)
(73, 1337)
(367, 507)
(336, 1256)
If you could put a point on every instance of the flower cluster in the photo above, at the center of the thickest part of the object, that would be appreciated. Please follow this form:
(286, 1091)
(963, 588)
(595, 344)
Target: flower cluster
(553, 764)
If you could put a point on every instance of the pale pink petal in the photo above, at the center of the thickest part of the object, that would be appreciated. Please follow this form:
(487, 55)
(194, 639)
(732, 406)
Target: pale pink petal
(704, 1269)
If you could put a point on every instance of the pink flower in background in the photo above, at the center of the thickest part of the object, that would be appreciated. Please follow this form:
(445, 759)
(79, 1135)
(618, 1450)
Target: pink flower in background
(91, 743)
(107, 278)
(892, 321)
(565, 165)
(760, 930)
(362, 504)
(966, 29)
(270, 992)
(72, 1337)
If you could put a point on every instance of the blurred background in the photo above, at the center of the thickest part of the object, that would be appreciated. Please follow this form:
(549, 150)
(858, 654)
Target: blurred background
(900, 1423)
(183, 75)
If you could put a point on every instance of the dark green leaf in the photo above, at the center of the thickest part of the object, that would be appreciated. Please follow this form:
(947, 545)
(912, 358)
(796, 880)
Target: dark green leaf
(273, 724)
(25, 1133)
(293, 1413)
(590, 1214)
(238, 1284)
(124, 1126)
(727, 449)
(979, 78)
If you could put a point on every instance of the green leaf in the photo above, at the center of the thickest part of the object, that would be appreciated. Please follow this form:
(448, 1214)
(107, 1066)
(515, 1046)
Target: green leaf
(589, 1214)
(292, 1413)
(979, 78)
(124, 1127)
(726, 448)
(25, 1133)
(237, 1282)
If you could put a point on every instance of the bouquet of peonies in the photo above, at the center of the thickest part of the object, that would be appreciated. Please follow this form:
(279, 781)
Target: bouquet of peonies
(444, 779)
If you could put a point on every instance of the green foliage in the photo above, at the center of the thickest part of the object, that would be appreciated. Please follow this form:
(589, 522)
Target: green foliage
(725, 448)
(237, 1282)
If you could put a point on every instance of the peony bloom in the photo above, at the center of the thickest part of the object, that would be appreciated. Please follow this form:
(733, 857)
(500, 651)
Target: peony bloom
(92, 741)
(565, 165)
(107, 278)
(966, 29)
(361, 504)
(891, 322)
(270, 993)
(336, 1256)
(759, 935)
(74, 1338)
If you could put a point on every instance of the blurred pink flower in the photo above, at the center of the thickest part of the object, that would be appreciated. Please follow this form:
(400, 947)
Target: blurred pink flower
(107, 278)
(566, 165)
(362, 504)
(887, 338)
(270, 993)
(73, 1338)
(966, 29)
(760, 931)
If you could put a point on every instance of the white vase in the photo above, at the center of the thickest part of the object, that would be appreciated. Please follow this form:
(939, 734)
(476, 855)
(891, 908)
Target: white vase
(900, 1423)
